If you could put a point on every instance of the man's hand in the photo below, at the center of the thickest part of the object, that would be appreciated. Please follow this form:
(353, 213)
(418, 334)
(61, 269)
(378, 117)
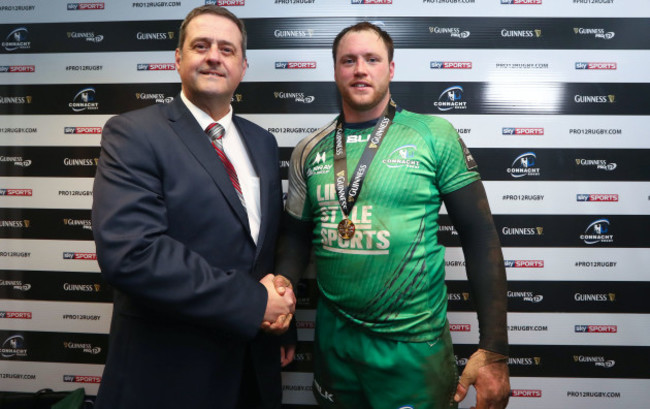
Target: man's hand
(488, 372)
(280, 306)
(287, 353)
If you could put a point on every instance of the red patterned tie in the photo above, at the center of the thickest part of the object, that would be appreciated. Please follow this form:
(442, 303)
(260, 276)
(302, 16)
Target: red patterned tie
(216, 133)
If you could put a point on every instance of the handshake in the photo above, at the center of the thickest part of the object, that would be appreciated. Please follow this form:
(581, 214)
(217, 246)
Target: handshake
(280, 305)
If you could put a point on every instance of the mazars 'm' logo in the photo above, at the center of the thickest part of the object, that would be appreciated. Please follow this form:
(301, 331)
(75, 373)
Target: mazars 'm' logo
(321, 157)
(597, 232)
(524, 165)
(318, 165)
(84, 100)
(17, 40)
(457, 65)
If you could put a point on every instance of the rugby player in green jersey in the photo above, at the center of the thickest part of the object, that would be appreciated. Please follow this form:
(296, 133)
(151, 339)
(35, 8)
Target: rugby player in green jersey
(365, 192)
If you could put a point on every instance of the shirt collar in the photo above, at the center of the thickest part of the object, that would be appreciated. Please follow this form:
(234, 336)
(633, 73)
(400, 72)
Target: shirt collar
(203, 118)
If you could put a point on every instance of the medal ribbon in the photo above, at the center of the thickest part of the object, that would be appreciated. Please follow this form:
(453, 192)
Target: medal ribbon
(347, 193)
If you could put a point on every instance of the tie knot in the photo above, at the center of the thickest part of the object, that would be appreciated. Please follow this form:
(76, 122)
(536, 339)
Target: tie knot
(215, 131)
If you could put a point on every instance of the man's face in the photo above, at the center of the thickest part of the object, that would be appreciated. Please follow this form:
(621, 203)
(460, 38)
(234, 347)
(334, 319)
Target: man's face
(210, 62)
(362, 71)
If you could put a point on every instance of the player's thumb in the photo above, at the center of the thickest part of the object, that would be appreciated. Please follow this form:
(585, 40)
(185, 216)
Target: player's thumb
(461, 392)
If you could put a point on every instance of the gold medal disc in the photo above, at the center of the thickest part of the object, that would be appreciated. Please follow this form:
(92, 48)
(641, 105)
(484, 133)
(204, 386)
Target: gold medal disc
(346, 229)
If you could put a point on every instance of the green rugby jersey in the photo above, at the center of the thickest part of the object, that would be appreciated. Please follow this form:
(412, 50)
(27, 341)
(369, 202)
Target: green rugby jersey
(389, 277)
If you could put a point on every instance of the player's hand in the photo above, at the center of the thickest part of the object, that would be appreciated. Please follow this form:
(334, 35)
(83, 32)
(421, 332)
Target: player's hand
(488, 372)
(281, 304)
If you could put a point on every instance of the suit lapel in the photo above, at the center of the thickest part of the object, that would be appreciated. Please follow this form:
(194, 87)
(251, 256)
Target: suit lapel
(190, 133)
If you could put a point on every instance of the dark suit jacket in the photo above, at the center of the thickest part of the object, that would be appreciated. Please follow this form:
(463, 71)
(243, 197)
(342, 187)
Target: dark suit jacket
(173, 240)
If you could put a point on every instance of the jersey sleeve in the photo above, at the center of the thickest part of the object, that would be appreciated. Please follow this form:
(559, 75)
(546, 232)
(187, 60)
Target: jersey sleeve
(456, 166)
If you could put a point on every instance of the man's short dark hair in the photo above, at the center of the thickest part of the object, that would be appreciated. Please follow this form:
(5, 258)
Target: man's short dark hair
(365, 26)
(216, 10)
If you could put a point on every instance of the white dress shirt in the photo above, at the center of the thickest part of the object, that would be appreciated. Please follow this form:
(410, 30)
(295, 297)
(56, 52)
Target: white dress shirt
(234, 148)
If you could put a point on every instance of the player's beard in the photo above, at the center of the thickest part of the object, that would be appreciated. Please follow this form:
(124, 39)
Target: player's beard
(363, 103)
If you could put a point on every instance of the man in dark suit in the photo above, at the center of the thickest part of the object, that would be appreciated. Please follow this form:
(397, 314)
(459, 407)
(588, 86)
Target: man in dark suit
(185, 225)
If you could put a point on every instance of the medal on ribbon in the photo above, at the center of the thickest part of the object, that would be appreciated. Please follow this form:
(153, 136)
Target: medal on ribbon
(346, 196)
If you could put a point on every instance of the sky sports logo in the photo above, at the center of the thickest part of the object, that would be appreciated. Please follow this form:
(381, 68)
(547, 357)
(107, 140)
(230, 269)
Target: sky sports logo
(524, 263)
(17, 68)
(82, 378)
(69, 255)
(21, 315)
(595, 66)
(295, 65)
(597, 197)
(597, 329)
(450, 65)
(460, 327)
(82, 130)
(85, 6)
(223, 3)
(521, 1)
(525, 393)
(371, 1)
(522, 131)
(167, 66)
(15, 192)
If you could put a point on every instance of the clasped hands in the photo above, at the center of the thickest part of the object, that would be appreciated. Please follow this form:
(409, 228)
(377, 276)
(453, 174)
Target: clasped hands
(280, 306)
